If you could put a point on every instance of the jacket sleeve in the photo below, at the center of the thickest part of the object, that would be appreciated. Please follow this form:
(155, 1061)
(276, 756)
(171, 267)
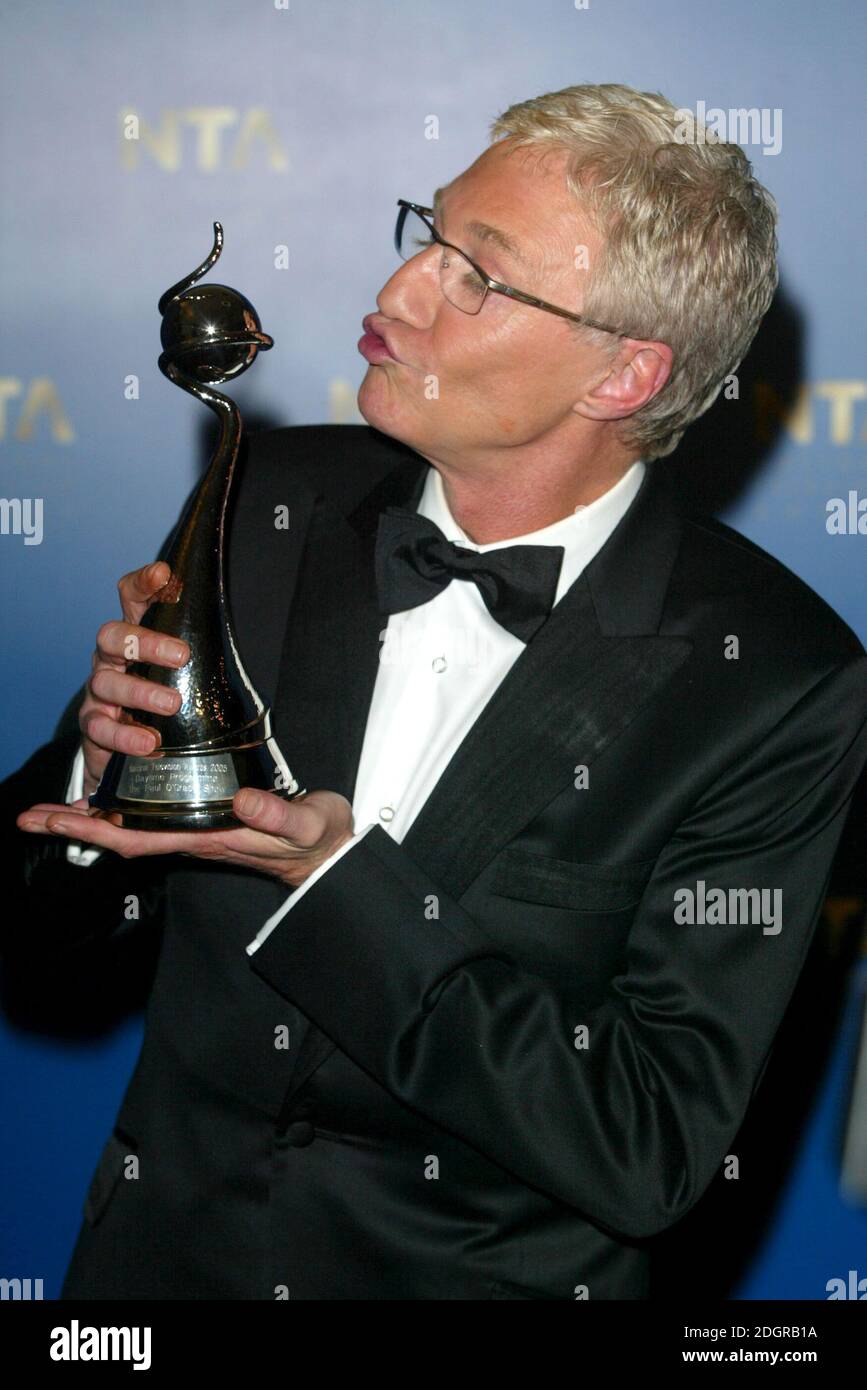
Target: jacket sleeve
(62, 906)
(632, 1128)
(66, 907)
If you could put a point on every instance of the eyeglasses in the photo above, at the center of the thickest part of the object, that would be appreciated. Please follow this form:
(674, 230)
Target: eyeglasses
(463, 283)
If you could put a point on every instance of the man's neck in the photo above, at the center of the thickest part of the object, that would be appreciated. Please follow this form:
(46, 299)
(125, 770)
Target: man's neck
(493, 501)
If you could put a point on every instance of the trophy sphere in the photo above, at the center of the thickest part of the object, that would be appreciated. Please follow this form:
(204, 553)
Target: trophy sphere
(212, 332)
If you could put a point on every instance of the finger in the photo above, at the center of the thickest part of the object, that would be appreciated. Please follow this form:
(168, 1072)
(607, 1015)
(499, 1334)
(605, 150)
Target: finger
(46, 819)
(118, 643)
(136, 590)
(133, 692)
(302, 824)
(36, 816)
(79, 821)
(96, 829)
(115, 736)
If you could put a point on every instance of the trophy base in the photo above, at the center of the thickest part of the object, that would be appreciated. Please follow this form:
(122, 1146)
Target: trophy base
(189, 790)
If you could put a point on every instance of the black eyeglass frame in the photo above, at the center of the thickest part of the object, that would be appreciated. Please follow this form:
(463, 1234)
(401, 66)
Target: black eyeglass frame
(496, 285)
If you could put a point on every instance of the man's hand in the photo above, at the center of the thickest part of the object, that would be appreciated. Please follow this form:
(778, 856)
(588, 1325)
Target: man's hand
(286, 839)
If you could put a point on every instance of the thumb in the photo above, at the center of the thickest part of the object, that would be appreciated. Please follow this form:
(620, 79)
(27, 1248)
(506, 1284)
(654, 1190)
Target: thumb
(303, 824)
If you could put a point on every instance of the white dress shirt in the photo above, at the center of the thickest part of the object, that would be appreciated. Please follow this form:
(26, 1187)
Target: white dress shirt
(440, 663)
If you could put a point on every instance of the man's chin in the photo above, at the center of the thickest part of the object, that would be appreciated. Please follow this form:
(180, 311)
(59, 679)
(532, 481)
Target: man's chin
(380, 412)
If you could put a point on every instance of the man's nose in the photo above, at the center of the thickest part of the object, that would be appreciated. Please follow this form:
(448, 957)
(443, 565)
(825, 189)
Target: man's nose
(413, 292)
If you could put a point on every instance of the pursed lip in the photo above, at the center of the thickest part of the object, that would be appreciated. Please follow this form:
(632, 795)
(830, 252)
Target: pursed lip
(372, 323)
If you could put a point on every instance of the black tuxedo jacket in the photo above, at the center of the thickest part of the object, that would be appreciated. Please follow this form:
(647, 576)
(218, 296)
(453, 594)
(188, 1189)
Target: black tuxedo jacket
(492, 1061)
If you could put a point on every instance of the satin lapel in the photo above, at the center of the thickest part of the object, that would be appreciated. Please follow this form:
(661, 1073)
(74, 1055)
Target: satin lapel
(331, 653)
(330, 659)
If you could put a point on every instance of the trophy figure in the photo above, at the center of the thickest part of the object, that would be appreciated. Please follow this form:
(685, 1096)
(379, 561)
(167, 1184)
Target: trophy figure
(220, 738)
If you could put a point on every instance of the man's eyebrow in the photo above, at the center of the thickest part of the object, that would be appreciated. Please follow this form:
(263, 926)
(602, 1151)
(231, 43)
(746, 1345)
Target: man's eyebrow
(483, 231)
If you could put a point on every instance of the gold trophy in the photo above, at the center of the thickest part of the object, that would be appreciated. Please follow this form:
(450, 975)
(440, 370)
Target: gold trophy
(220, 738)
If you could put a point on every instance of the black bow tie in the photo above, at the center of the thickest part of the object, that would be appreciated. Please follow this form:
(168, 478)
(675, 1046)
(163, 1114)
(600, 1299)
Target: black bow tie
(414, 562)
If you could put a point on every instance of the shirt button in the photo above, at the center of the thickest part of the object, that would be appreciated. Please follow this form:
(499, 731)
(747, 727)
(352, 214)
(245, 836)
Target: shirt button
(386, 813)
(439, 664)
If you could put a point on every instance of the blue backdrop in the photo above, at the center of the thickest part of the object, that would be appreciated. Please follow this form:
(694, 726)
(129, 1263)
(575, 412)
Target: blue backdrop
(298, 125)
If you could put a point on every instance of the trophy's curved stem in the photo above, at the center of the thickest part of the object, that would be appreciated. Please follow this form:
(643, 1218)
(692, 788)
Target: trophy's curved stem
(212, 494)
(219, 698)
(188, 280)
(217, 481)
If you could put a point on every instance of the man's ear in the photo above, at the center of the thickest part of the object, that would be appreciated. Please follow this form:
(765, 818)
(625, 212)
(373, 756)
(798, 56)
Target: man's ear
(633, 378)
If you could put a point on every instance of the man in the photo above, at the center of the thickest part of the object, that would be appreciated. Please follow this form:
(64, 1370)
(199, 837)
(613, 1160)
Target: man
(482, 1013)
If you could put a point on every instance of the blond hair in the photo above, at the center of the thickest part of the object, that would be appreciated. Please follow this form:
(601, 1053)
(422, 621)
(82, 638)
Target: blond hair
(689, 256)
